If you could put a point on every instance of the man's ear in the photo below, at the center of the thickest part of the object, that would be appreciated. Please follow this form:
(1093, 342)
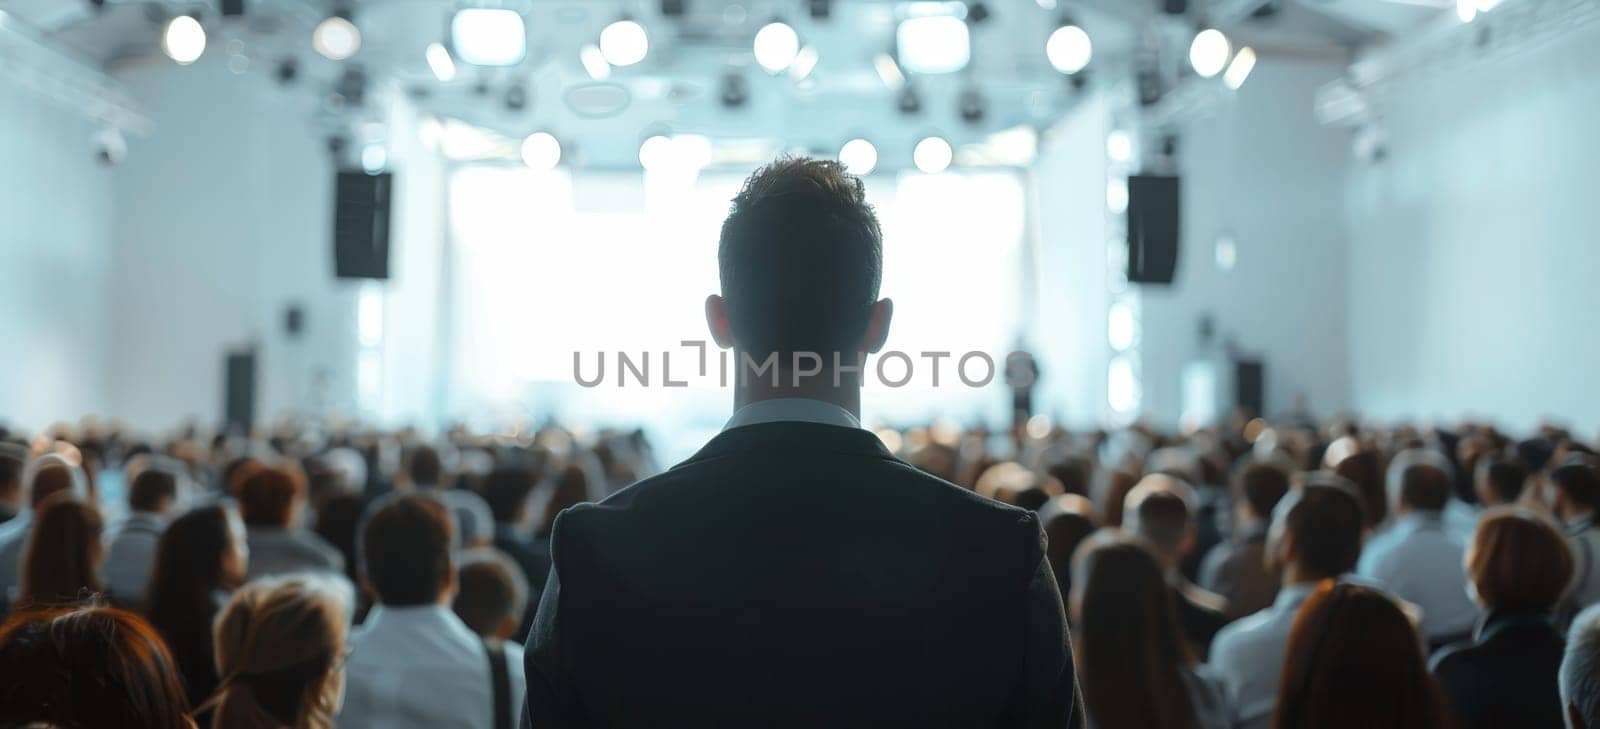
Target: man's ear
(717, 321)
(878, 326)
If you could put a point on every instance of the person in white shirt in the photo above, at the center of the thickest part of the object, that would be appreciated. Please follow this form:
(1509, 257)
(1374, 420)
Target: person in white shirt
(414, 663)
(1315, 536)
(1577, 494)
(1419, 557)
(131, 551)
(270, 501)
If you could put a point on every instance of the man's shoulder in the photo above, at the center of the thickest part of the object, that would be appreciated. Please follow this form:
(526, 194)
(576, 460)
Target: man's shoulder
(1241, 634)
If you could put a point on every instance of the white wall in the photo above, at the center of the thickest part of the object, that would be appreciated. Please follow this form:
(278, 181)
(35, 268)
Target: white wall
(55, 244)
(1261, 167)
(1474, 246)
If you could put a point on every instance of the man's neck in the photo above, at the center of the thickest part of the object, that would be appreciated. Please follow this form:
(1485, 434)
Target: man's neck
(753, 388)
(1295, 576)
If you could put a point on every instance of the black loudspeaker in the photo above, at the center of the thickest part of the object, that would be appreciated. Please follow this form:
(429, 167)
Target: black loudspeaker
(1153, 225)
(1250, 385)
(239, 402)
(361, 225)
(232, 8)
(294, 321)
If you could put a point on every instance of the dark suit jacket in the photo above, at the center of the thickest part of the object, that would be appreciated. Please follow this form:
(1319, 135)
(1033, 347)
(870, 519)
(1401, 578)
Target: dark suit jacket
(1506, 676)
(795, 574)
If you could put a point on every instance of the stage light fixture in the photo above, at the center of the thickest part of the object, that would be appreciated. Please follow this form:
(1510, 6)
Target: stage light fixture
(1069, 49)
(1119, 146)
(541, 151)
(183, 40)
(336, 37)
(908, 101)
(1208, 53)
(776, 46)
(932, 155)
(933, 44)
(735, 90)
(439, 61)
(858, 156)
(516, 98)
(1239, 69)
(970, 106)
(624, 42)
(374, 158)
(488, 36)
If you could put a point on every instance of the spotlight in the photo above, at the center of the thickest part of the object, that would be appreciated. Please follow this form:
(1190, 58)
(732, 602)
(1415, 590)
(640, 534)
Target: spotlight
(776, 46)
(1209, 52)
(541, 151)
(1119, 146)
(594, 62)
(110, 147)
(655, 153)
(624, 43)
(682, 152)
(735, 91)
(804, 63)
(184, 40)
(374, 158)
(909, 102)
(933, 44)
(858, 156)
(970, 106)
(439, 61)
(1069, 49)
(488, 36)
(1243, 63)
(516, 98)
(336, 38)
(932, 155)
(1466, 10)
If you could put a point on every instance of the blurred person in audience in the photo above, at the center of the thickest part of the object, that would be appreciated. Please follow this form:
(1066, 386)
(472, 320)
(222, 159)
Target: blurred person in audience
(1009, 482)
(13, 459)
(414, 663)
(43, 477)
(1577, 494)
(87, 668)
(1158, 509)
(571, 488)
(1075, 473)
(1364, 469)
(1136, 668)
(132, 549)
(1499, 481)
(491, 595)
(200, 560)
(280, 648)
(1505, 676)
(1354, 659)
(1579, 675)
(337, 521)
(424, 470)
(1118, 484)
(791, 572)
(1315, 535)
(1417, 558)
(66, 546)
(1068, 520)
(271, 500)
(1237, 569)
(507, 491)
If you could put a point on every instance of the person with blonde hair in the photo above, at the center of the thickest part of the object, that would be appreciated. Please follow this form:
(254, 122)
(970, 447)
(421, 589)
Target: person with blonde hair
(280, 649)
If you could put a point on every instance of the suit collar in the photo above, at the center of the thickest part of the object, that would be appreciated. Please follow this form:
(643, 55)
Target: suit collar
(792, 436)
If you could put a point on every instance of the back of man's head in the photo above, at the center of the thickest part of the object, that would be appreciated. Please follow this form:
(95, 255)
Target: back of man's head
(425, 467)
(1579, 483)
(51, 474)
(153, 489)
(405, 551)
(491, 594)
(13, 459)
(1501, 480)
(506, 490)
(1424, 487)
(1259, 485)
(269, 496)
(1580, 671)
(801, 258)
(1158, 509)
(1322, 521)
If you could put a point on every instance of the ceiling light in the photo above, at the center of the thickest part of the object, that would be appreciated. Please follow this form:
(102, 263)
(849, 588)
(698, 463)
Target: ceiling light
(336, 38)
(444, 68)
(489, 36)
(1466, 10)
(1069, 49)
(624, 43)
(1119, 146)
(183, 40)
(776, 46)
(933, 44)
(858, 156)
(889, 71)
(1243, 63)
(804, 63)
(594, 62)
(932, 155)
(541, 151)
(1209, 52)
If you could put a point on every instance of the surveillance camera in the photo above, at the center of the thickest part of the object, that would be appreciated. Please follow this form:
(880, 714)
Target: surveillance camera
(109, 146)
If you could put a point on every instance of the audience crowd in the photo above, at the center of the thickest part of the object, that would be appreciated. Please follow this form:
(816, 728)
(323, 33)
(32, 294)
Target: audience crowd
(1249, 575)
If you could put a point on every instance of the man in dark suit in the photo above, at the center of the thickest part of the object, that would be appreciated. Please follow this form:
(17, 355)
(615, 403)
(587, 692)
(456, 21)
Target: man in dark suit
(793, 572)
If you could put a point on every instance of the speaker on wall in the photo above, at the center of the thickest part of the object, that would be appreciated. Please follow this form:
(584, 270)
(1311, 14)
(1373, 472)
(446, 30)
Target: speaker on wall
(1250, 385)
(239, 401)
(1153, 227)
(361, 225)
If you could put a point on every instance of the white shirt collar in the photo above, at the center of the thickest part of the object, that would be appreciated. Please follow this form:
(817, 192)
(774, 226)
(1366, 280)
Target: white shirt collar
(792, 410)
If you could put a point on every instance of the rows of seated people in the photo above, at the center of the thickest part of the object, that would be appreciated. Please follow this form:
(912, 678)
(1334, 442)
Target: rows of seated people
(1240, 576)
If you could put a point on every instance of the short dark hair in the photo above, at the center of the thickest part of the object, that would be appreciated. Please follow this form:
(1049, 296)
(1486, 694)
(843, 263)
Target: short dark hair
(800, 259)
(13, 460)
(1325, 522)
(405, 550)
(1261, 484)
(1579, 482)
(151, 487)
(1424, 486)
(48, 481)
(1163, 518)
(506, 491)
(267, 496)
(1518, 561)
(1505, 478)
(488, 593)
(425, 467)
